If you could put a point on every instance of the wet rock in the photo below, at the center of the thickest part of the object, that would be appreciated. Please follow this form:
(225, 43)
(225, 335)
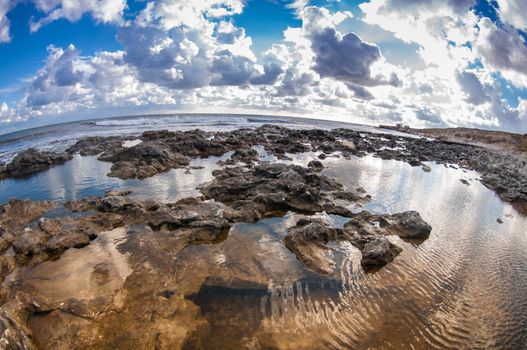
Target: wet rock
(408, 225)
(121, 193)
(426, 168)
(84, 204)
(379, 252)
(315, 165)
(144, 160)
(14, 333)
(246, 155)
(268, 189)
(322, 156)
(93, 145)
(465, 182)
(307, 240)
(32, 161)
(499, 221)
(114, 204)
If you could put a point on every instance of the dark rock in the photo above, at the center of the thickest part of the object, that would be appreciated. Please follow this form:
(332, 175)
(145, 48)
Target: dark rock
(269, 189)
(84, 204)
(32, 161)
(315, 165)
(246, 155)
(121, 193)
(379, 252)
(407, 225)
(94, 145)
(114, 204)
(307, 241)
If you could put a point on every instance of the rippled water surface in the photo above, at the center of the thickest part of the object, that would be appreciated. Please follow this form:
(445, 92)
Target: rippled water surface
(463, 287)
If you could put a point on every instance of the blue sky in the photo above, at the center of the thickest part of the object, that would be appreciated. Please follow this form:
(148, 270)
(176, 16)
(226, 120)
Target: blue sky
(427, 63)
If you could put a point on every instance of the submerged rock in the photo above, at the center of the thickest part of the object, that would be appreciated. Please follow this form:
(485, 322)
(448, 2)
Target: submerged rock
(307, 240)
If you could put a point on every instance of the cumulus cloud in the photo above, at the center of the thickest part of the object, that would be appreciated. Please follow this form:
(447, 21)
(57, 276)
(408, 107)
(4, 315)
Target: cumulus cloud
(5, 7)
(181, 45)
(57, 81)
(503, 50)
(513, 12)
(103, 11)
(7, 114)
(471, 85)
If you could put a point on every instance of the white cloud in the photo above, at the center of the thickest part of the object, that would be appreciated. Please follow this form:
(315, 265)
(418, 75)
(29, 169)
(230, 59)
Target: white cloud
(103, 11)
(5, 7)
(7, 114)
(503, 50)
(513, 12)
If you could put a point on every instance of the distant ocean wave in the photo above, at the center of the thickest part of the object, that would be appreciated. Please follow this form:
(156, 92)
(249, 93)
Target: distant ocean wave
(198, 120)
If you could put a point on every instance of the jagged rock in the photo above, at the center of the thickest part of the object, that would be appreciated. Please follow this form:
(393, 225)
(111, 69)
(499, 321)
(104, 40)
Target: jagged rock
(84, 204)
(379, 252)
(93, 145)
(32, 161)
(122, 193)
(315, 165)
(307, 240)
(408, 225)
(144, 160)
(271, 188)
(114, 204)
(246, 155)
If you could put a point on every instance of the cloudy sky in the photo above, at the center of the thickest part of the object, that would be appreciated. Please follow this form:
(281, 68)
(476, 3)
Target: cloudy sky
(426, 63)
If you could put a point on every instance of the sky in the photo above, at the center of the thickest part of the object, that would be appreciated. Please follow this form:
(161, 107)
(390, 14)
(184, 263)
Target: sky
(422, 63)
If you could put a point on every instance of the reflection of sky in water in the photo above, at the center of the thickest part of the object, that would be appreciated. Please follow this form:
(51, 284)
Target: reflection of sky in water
(462, 288)
(86, 176)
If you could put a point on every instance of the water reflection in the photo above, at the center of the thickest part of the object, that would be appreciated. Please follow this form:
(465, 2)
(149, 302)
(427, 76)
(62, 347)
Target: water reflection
(86, 176)
(462, 288)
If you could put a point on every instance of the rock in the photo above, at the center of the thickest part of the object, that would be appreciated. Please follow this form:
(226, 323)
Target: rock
(322, 156)
(379, 252)
(408, 225)
(121, 193)
(14, 333)
(499, 221)
(93, 145)
(114, 204)
(32, 161)
(315, 165)
(269, 189)
(426, 168)
(246, 155)
(144, 160)
(465, 182)
(307, 241)
(84, 204)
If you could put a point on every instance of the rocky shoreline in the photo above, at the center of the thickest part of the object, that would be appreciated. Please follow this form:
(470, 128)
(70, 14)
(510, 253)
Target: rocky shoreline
(237, 194)
(159, 151)
(245, 190)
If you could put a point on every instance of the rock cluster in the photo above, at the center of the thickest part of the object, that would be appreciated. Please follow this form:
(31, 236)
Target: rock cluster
(160, 151)
(267, 189)
(309, 238)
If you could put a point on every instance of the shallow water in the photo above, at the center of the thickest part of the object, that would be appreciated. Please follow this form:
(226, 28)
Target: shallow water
(463, 287)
